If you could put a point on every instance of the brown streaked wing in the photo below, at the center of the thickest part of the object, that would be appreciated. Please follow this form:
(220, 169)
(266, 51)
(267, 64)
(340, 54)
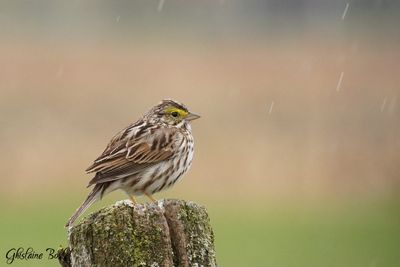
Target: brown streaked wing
(117, 145)
(153, 146)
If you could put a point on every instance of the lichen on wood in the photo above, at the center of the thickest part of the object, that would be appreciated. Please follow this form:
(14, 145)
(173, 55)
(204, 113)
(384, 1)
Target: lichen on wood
(191, 233)
(164, 233)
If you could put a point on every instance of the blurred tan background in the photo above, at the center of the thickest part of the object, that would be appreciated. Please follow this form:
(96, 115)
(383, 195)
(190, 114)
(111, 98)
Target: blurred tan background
(275, 121)
(299, 99)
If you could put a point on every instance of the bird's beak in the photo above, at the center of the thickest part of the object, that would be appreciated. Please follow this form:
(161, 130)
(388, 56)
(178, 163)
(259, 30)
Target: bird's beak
(192, 116)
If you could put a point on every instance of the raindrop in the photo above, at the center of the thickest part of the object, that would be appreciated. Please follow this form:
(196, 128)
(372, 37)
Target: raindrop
(345, 10)
(160, 5)
(339, 84)
(383, 104)
(271, 107)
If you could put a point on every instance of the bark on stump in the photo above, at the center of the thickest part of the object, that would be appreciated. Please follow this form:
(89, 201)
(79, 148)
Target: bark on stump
(165, 233)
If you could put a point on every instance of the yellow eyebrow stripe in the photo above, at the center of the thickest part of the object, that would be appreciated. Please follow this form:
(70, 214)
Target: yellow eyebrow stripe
(181, 112)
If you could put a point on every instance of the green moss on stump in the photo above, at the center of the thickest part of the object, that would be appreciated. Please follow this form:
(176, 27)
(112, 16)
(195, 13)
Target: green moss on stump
(191, 233)
(166, 233)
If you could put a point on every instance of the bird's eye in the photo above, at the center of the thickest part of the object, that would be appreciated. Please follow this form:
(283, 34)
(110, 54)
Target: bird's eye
(175, 114)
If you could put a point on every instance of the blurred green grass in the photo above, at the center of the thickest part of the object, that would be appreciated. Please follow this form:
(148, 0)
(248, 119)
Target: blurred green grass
(349, 234)
(357, 233)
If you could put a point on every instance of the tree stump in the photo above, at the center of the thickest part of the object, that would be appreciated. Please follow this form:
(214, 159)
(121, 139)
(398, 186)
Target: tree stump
(164, 233)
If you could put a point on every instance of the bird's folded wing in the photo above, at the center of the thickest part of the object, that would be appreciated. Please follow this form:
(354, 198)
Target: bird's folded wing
(127, 155)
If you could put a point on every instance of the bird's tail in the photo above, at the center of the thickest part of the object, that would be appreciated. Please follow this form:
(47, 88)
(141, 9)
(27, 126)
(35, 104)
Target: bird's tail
(94, 195)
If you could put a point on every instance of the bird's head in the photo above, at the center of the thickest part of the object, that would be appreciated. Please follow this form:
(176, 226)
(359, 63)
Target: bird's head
(172, 113)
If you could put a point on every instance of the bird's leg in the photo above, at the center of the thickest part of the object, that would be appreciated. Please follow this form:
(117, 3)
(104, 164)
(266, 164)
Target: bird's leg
(133, 199)
(150, 196)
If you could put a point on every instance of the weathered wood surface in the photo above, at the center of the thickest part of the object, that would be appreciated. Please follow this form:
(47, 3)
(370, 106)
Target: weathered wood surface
(164, 233)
